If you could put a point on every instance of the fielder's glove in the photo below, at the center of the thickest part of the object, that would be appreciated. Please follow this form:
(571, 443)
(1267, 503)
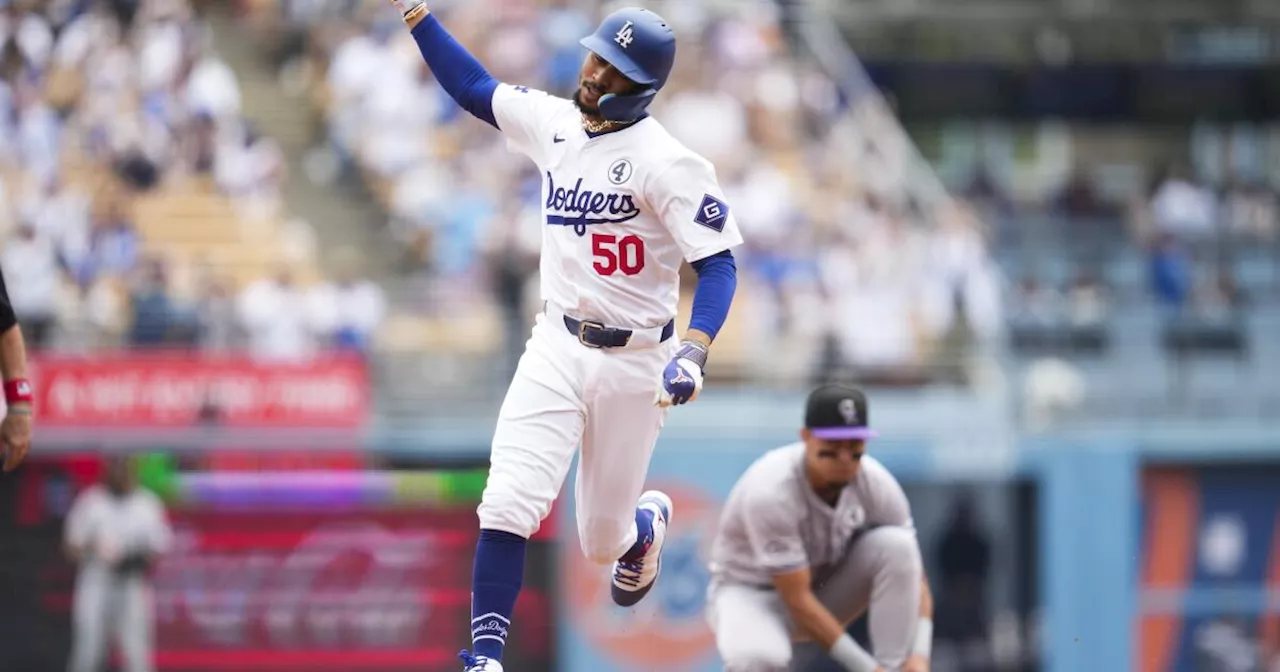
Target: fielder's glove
(682, 379)
(138, 562)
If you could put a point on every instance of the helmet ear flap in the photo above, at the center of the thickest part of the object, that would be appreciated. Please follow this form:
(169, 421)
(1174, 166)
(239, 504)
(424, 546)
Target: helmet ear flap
(625, 108)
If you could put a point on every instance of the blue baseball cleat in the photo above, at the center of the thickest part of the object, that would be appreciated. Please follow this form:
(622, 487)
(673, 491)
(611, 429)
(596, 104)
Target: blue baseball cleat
(478, 663)
(633, 577)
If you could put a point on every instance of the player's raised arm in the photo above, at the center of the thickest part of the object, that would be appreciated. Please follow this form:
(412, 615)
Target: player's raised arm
(692, 206)
(459, 73)
(521, 113)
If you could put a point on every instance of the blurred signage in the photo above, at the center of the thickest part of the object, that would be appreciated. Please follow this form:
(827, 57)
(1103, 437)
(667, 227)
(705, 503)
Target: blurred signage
(172, 390)
(1209, 574)
(255, 583)
(284, 459)
(359, 590)
(352, 588)
(668, 630)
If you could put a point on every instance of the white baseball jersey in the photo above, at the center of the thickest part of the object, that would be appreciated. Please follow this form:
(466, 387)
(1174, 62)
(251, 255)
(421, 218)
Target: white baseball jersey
(102, 523)
(773, 521)
(620, 209)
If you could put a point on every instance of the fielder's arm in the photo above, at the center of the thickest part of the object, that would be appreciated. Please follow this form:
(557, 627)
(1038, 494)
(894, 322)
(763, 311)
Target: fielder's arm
(819, 623)
(926, 600)
(15, 430)
(922, 648)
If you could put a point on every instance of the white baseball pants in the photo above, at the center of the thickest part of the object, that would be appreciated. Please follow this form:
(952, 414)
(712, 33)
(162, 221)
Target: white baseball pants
(106, 605)
(754, 632)
(563, 396)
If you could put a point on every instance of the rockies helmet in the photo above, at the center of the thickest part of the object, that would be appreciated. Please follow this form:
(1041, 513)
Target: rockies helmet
(641, 46)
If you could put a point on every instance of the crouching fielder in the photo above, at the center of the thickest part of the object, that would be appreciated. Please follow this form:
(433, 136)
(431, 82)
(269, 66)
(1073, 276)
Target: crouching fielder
(812, 535)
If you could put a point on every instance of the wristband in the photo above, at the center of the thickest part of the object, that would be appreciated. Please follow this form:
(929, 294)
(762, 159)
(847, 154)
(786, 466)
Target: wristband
(414, 13)
(694, 352)
(851, 656)
(924, 637)
(17, 391)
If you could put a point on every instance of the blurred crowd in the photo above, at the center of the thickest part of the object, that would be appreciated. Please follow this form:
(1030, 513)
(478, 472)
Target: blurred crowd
(103, 105)
(1195, 233)
(856, 259)
(847, 262)
(1204, 252)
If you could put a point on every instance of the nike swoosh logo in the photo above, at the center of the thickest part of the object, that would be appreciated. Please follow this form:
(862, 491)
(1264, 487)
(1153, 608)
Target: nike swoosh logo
(557, 138)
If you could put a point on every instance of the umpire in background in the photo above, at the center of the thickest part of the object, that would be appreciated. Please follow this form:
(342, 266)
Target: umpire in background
(15, 430)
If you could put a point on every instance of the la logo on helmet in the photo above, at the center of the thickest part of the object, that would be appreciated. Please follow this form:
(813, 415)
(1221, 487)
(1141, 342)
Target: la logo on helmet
(623, 37)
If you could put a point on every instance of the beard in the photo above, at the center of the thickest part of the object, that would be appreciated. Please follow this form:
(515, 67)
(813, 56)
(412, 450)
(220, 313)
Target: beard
(583, 107)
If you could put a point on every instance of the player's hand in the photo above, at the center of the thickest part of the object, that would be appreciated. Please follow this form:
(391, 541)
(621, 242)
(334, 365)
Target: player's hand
(916, 663)
(682, 379)
(15, 436)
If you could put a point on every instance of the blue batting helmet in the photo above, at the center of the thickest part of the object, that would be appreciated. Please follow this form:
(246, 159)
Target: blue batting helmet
(641, 46)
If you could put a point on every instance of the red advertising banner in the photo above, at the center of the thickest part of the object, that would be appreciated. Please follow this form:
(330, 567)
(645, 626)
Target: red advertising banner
(262, 586)
(182, 390)
(374, 590)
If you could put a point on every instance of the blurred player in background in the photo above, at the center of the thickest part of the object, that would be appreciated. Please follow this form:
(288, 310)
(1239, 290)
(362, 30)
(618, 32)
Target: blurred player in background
(812, 535)
(115, 531)
(15, 431)
(624, 205)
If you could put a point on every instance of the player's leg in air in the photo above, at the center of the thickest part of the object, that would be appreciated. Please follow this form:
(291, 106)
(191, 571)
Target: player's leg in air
(617, 523)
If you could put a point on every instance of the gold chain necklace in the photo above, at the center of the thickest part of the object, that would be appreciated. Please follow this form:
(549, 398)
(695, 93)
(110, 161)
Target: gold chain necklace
(595, 126)
(598, 126)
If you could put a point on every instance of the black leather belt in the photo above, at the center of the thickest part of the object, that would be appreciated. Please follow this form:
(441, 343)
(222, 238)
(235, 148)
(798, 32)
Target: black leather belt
(596, 335)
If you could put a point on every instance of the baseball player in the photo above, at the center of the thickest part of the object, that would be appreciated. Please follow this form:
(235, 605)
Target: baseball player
(812, 535)
(623, 204)
(114, 532)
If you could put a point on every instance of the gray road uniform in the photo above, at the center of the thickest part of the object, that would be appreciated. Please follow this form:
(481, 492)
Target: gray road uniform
(107, 601)
(862, 553)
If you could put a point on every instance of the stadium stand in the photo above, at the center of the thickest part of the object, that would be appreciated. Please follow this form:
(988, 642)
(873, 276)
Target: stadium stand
(858, 260)
(128, 161)
(820, 193)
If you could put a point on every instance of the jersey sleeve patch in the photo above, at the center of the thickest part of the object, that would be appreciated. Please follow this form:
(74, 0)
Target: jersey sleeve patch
(713, 213)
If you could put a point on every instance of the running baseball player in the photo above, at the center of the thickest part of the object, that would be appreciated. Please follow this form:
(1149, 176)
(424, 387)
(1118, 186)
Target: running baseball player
(812, 535)
(114, 532)
(624, 204)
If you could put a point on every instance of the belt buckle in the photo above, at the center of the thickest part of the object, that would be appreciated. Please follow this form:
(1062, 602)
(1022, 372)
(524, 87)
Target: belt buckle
(583, 325)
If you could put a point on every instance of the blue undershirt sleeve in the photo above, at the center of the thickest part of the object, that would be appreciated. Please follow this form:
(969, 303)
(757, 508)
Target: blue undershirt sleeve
(717, 282)
(459, 73)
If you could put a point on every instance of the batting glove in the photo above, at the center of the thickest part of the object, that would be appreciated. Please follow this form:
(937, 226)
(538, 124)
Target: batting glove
(682, 379)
